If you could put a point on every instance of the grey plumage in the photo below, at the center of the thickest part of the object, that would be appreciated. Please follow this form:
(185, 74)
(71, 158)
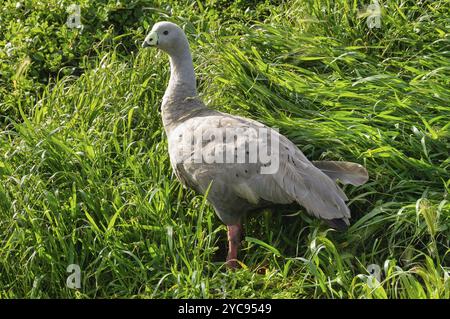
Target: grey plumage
(345, 172)
(235, 188)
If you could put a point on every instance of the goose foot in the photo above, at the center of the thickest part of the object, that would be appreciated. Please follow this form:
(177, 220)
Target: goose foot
(234, 241)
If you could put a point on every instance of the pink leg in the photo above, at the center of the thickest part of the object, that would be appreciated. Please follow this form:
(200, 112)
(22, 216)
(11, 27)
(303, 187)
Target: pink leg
(234, 241)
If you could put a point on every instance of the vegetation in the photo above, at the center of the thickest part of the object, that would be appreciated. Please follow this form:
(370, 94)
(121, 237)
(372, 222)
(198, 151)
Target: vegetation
(85, 176)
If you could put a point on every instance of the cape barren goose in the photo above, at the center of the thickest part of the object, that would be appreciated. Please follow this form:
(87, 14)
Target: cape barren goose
(241, 164)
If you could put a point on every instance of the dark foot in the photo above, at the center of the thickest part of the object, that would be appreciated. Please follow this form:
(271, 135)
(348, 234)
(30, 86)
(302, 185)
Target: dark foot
(234, 241)
(232, 264)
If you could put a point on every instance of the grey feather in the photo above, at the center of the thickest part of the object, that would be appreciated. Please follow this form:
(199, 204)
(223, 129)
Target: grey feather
(236, 188)
(346, 172)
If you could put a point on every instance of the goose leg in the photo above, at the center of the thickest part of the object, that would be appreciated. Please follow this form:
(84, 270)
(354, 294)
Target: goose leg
(234, 241)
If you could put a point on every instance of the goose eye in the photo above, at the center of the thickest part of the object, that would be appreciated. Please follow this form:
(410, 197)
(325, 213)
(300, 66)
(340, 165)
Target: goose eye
(166, 32)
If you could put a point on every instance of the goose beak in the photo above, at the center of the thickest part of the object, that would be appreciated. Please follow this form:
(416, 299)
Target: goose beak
(151, 40)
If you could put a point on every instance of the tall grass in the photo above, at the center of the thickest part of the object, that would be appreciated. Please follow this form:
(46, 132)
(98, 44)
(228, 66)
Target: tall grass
(85, 174)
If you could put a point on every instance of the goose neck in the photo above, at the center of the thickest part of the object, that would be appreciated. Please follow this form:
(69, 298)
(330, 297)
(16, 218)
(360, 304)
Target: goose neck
(182, 77)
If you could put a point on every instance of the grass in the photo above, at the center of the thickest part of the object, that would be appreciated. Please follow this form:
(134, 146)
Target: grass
(85, 175)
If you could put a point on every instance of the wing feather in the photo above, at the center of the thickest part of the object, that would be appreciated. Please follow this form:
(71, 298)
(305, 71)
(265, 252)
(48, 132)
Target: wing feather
(296, 179)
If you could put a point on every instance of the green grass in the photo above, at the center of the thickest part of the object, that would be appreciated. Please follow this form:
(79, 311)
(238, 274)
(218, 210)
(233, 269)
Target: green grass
(85, 175)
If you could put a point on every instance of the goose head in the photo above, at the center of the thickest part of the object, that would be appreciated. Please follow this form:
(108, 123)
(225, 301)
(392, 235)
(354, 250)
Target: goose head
(168, 37)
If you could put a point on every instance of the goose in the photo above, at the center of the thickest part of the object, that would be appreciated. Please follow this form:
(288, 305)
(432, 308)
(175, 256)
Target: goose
(239, 164)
